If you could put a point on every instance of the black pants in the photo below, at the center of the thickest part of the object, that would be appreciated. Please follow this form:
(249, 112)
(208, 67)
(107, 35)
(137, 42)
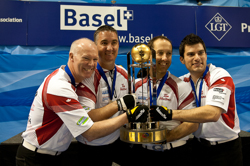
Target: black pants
(225, 154)
(179, 156)
(105, 155)
(26, 157)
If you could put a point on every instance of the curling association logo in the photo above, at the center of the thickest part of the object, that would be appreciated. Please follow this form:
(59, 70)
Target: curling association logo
(218, 26)
(75, 17)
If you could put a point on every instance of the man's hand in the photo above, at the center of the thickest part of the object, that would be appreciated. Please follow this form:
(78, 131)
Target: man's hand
(126, 102)
(138, 114)
(160, 113)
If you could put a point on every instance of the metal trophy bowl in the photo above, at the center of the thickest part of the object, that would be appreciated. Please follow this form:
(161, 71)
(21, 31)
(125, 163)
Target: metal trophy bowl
(137, 132)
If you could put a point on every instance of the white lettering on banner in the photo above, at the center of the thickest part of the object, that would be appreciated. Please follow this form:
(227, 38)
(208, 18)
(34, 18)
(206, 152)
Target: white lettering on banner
(138, 39)
(11, 19)
(218, 26)
(74, 17)
(245, 26)
(135, 39)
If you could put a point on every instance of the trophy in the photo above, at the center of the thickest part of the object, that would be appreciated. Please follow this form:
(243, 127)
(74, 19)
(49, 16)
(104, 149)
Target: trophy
(150, 131)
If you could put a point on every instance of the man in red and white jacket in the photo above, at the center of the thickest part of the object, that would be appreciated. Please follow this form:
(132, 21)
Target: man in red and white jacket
(173, 93)
(216, 142)
(56, 115)
(107, 84)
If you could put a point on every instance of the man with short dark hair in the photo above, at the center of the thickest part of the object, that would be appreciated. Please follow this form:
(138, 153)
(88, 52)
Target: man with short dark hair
(217, 141)
(109, 83)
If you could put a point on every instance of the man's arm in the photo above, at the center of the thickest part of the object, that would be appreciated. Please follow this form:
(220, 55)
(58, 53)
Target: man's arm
(122, 104)
(201, 114)
(105, 127)
(181, 131)
(104, 112)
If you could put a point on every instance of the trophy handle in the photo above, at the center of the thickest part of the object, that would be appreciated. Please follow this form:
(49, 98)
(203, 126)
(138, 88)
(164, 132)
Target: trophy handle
(129, 73)
(154, 96)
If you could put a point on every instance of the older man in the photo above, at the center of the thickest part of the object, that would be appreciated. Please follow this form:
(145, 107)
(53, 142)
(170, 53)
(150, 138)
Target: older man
(56, 116)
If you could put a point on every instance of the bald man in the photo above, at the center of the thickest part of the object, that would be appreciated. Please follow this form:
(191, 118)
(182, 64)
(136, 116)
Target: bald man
(56, 116)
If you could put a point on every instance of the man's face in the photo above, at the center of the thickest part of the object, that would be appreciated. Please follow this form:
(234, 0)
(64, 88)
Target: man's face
(108, 46)
(85, 62)
(163, 49)
(195, 59)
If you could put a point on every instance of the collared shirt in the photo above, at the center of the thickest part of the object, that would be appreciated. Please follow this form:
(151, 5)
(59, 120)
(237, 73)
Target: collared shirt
(175, 94)
(93, 93)
(218, 90)
(56, 116)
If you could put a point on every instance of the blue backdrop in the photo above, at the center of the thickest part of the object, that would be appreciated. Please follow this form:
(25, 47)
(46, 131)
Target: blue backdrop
(23, 69)
(32, 49)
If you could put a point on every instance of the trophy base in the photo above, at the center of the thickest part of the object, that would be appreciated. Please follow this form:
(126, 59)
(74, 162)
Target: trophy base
(142, 133)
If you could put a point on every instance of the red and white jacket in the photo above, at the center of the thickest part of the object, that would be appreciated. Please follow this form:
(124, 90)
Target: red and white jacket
(218, 90)
(56, 116)
(175, 94)
(93, 93)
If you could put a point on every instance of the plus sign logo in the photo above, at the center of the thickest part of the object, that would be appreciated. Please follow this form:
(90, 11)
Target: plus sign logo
(218, 26)
(128, 15)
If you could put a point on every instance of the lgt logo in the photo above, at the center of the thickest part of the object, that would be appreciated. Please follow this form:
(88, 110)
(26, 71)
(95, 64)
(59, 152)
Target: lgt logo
(74, 17)
(218, 26)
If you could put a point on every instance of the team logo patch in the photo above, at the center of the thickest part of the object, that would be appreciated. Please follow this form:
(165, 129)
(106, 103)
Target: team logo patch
(215, 97)
(123, 87)
(165, 97)
(82, 121)
(219, 90)
(219, 94)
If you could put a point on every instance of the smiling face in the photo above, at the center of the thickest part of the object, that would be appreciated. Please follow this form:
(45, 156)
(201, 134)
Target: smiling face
(163, 49)
(195, 59)
(83, 59)
(108, 46)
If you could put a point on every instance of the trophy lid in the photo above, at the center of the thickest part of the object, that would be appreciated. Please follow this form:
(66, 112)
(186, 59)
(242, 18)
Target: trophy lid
(140, 53)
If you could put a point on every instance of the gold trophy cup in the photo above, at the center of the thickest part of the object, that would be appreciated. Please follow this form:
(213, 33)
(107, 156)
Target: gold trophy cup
(137, 132)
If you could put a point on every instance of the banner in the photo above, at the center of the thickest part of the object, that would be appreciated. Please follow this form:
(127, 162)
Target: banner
(13, 23)
(224, 27)
(60, 23)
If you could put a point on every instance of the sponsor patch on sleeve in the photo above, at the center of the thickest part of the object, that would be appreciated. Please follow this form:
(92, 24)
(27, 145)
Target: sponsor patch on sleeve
(86, 108)
(219, 94)
(82, 121)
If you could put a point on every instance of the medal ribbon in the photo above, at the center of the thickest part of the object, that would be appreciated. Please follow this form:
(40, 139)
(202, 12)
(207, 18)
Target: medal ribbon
(163, 80)
(70, 75)
(99, 68)
(198, 100)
